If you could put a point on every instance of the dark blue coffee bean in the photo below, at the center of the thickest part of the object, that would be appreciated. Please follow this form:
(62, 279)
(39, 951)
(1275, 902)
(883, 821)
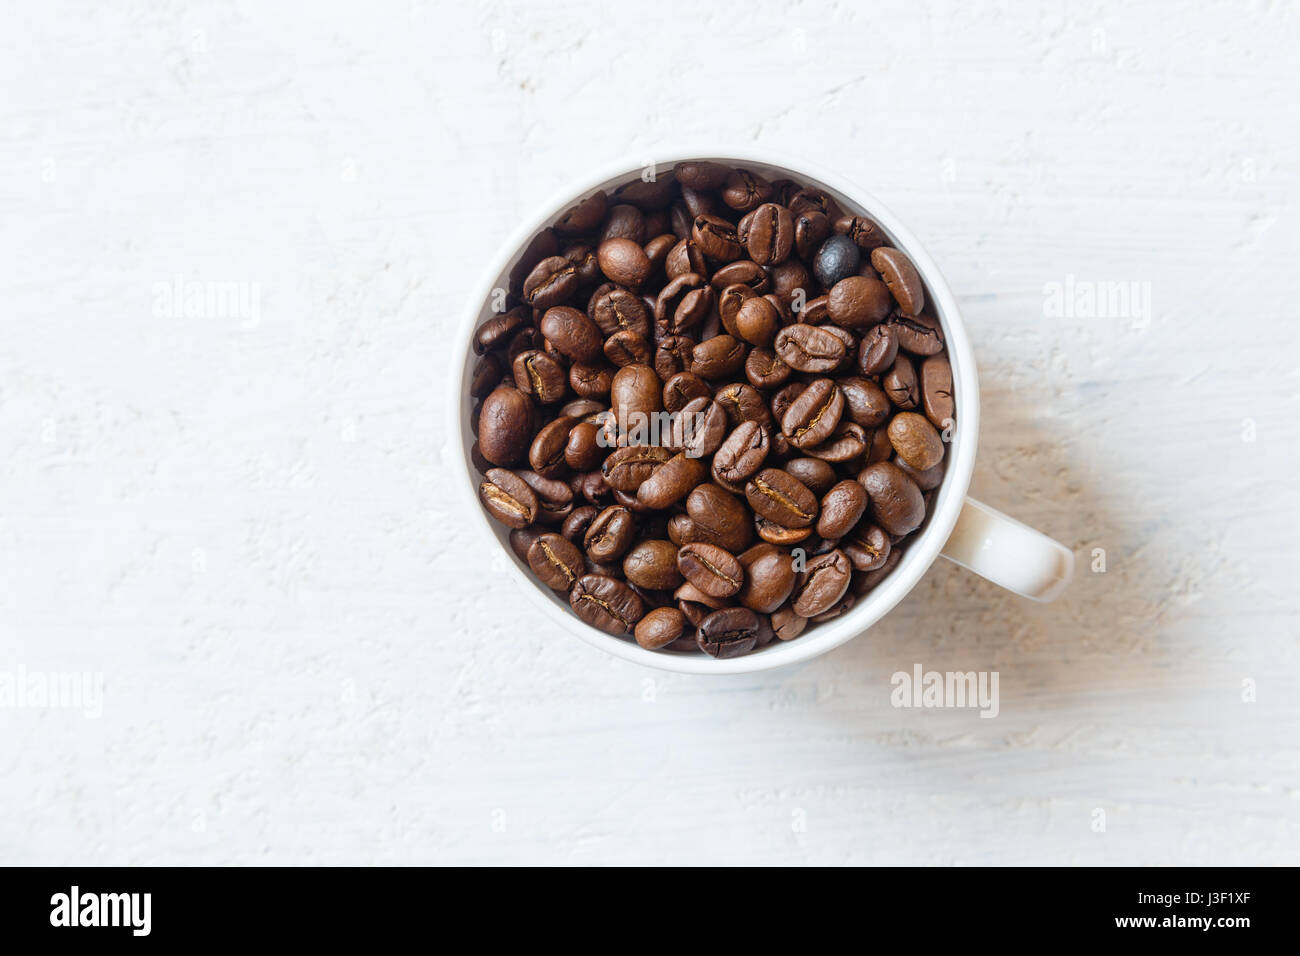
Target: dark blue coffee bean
(838, 258)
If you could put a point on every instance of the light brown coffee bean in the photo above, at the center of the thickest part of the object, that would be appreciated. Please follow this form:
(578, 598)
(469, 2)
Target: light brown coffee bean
(915, 440)
(900, 275)
(711, 569)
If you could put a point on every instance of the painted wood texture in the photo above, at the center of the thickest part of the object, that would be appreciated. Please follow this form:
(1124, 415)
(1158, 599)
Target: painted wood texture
(238, 513)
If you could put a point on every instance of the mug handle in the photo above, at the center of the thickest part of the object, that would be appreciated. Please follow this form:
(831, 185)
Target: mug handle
(1010, 554)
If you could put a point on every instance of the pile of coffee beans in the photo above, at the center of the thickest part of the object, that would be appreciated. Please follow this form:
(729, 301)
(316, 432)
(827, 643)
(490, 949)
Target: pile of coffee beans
(714, 411)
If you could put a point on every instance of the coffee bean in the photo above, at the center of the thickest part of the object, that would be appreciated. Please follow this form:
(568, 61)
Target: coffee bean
(660, 627)
(865, 402)
(730, 632)
(682, 388)
(718, 517)
(555, 561)
(811, 229)
(809, 348)
(770, 236)
(814, 414)
(487, 376)
(763, 369)
(895, 503)
(867, 546)
(900, 384)
(606, 603)
(521, 539)
(787, 624)
(857, 302)
(627, 348)
(902, 278)
(838, 258)
(817, 474)
(847, 442)
(878, 350)
(572, 333)
(702, 175)
(822, 585)
(626, 468)
(920, 334)
(862, 231)
(711, 569)
(716, 238)
(610, 534)
(782, 498)
(540, 376)
(614, 309)
(635, 394)
(585, 217)
(744, 190)
(552, 281)
(841, 509)
(700, 428)
(575, 526)
(672, 481)
(769, 578)
(936, 391)
(546, 455)
(915, 440)
(653, 565)
(926, 479)
(742, 272)
(508, 498)
(505, 428)
(741, 455)
(718, 357)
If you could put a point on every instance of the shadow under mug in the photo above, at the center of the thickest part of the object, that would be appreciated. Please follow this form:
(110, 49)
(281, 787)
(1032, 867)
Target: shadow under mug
(959, 528)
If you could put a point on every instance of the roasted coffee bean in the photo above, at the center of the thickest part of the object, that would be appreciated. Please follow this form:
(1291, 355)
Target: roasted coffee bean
(718, 357)
(552, 281)
(700, 428)
(920, 334)
(505, 429)
(741, 455)
(583, 218)
(821, 586)
(540, 376)
(730, 632)
(927, 479)
(936, 391)
(508, 498)
(867, 546)
(915, 440)
(717, 517)
(811, 229)
(878, 350)
(487, 376)
(672, 481)
(653, 565)
(743, 403)
(711, 569)
(763, 369)
(628, 348)
(546, 455)
(741, 356)
(744, 190)
(814, 414)
(757, 321)
(895, 503)
(857, 302)
(865, 402)
(862, 231)
(809, 348)
(497, 331)
(716, 238)
(782, 498)
(742, 272)
(614, 309)
(606, 603)
(611, 534)
(841, 509)
(901, 276)
(572, 333)
(574, 527)
(683, 388)
(556, 561)
(591, 381)
(660, 627)
(838, 258)
(770, 235)
(627, 467)
(817, 474)
(635, 394)
(900, 384)
(787, 624)
(769, 578)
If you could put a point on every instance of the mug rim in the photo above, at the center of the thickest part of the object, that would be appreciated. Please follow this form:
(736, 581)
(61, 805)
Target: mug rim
(947, 504)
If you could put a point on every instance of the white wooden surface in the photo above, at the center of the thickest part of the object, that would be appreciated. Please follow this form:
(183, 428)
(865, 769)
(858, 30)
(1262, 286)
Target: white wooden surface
(244, 525)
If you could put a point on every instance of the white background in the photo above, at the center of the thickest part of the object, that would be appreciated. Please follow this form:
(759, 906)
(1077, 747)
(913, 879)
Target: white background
(246, 524)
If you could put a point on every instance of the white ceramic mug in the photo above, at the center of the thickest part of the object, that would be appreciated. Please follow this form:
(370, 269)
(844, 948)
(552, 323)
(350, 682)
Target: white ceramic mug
(961, 529)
